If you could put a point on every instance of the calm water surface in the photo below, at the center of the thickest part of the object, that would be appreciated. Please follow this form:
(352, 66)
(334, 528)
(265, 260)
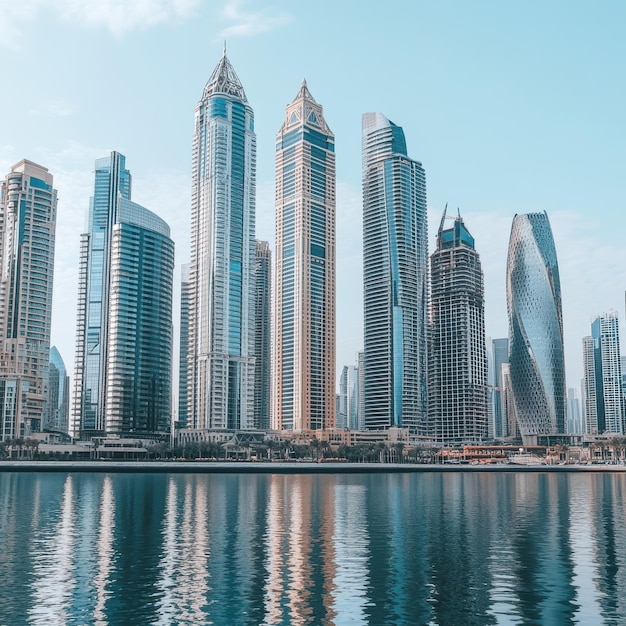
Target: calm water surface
(382, 549)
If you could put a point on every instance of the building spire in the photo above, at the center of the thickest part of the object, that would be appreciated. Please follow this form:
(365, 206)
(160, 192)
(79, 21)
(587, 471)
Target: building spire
(224, 80)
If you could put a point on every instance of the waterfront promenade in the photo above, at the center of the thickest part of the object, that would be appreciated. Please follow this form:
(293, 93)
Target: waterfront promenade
(284, 467)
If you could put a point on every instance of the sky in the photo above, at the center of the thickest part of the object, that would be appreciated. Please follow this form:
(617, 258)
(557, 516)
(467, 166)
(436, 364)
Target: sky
(510, 107)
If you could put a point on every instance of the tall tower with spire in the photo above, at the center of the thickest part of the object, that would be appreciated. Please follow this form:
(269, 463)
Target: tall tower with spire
(304, 296)
(457, 380)
(221, 271)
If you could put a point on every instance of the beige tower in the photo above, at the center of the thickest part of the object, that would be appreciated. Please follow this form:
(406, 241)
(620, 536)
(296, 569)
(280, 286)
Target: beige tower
(304, 297)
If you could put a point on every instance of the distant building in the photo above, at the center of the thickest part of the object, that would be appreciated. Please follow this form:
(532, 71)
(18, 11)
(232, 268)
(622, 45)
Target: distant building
(589, 388)
(500, 350)
(122, 380)
(304, 286)
(395, 279)
(603, 375)
(183, 365)
(457, 390)
(262, 335)
(28, 211)
(536, 358)
(575, 425)
(508, 405)
(342, 413)
(361, 390)
(58, 398)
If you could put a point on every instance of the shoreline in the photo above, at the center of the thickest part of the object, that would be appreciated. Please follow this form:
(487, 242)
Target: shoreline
(280, 467)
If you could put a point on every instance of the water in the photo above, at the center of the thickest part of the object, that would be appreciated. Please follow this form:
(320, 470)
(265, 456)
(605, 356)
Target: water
(377, 549)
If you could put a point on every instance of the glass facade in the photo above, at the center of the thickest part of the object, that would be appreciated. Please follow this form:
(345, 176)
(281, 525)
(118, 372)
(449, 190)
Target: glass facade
(536, 360)
(183, 405)
(28, 206)
(395, 279)
(58, 394)
(122, 381)
(304, 299)
(262, 335)
(457, 372)
(221, 272)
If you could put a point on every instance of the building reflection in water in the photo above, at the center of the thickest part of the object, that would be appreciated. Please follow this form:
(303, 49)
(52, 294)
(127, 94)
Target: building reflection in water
(301, 549)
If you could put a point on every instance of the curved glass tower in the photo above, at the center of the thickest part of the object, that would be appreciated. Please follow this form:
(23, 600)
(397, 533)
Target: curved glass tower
(122, 374)
(395, 274)
(533, 291)
(221, 272)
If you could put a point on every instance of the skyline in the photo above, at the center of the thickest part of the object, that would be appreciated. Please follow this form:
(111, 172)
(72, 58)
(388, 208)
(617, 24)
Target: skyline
(500, 98)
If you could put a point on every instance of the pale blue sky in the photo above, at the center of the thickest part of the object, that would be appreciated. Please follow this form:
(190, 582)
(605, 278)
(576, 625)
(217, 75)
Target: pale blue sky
(511, 107)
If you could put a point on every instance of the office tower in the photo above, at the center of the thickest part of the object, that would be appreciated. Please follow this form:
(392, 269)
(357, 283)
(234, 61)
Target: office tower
(589, 387)
(122, 380)
(457, 389)
(361, 388)
(304, 300)
(352, 398)
(603, 376)
(500, 351)
(508, 405)
(183, 348)
(535, 328)
(342, 413)
(574, 418)
(262, 335)
(623, 368)
(221, 272)
(395, 274)
(58, 397)
(28, 208)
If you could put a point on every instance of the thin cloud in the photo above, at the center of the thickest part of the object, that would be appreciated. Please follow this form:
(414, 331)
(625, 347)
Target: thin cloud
(117, 16)
(247, 23)
(54, 108)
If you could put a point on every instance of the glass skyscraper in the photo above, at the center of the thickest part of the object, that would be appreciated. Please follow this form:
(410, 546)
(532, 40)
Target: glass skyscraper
(221, 272)
(183, 366)
(536, 360)
(304, 297)
(457, 392)
(395, 279)
(603, 376)
(262, 335)
(58, 397)
(500, 350)
(122, 381)
(28, 211)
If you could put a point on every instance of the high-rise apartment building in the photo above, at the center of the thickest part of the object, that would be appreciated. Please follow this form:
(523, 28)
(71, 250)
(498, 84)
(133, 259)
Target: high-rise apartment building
(395, 279)
(58, 396)
(304, 296)
(122, 380)
(28, 210)
(603, 376)
(500, 352)
(262, 335)
(574, 418)
(536, 358)
(360, 359)
(183, 350)
(457, 390)
(221, 272)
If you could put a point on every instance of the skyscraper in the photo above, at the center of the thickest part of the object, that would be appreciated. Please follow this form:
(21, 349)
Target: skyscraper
(58, 398)
(395, 275)
(122, 380)
(183, 350)
(500, 349)
(221, 272)
(28, 210)
(262, 335)
(304, 298)
(457, 392)
(536, 359)
(603, 375)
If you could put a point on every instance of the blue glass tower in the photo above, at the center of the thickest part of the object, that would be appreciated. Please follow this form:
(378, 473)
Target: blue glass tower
(58, 399)
(122, 381)
(536, 360)
(395, 274)
(221, 271)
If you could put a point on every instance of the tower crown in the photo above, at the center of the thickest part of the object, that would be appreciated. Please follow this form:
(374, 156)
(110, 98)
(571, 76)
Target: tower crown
(224, 80)
(305, 111)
